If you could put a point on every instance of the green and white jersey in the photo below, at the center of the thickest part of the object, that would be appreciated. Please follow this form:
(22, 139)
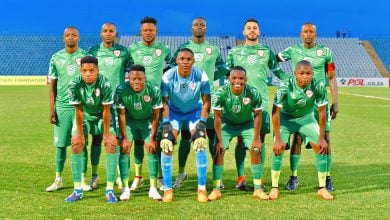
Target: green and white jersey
(207, 57)
(236, 109)
(297, 102)
(138, 105)
(64, 67)
(153, 58)
(319, 57)
(92, 97)
(113, 62)
(256, 60)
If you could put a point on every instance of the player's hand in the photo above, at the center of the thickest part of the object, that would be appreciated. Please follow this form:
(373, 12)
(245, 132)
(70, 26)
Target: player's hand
(53, 117)
(77, 141)
(218, 152)
(168, 132)
(151, 147)
(110, 140)
(278, 146)
(257, 146)
(334, 109)
(125, 146)
(323, 145)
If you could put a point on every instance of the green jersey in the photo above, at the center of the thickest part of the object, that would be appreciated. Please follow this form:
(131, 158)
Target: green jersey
(63, 67)
(297, 102)
(153, 58)
(113, 62)
(138, 105)
(92, 97)
(236, 109)
(207, 57)
(256, 60)
(319, 56)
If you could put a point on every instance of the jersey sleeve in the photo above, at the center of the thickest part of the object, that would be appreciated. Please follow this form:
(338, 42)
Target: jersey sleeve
(118, 99)
(205, 86)
(72, 91)
(157, 98)
(285, 54)
(165, 88)
(281, 95)
(168, 57)
(321, 91)
(53, 74)
(275, 68)
(217, 99)
(107, 98)
(229, 59)
(257, 100)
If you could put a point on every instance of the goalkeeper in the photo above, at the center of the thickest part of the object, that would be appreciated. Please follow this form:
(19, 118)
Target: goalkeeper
(182, 87)
(238, 112)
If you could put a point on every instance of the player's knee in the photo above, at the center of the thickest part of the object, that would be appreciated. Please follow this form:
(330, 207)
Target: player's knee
(110, 149)
(77, 149)
(185, 134)
(255, 157)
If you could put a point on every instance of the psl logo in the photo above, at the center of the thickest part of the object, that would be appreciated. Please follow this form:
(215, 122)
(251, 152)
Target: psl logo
(147, 60)
(138, 106)
(109, 61)
(251, 59)
(71, 70)
(236, 108)
(198, 57)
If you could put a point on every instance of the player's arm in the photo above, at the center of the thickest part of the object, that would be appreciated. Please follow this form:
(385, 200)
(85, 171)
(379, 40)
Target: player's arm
(124, 142)
(52, 100)
(109, 139)
(322, 121)
(278, 143)
(218, 125)
(256, 128)
(206, 106)
(331, 70)
(275, 68)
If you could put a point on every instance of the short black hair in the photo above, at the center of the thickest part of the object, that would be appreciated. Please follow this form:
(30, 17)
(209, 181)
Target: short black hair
(137, 67)
(238, 68)
(148, 19)
(185, 49)
(251, 20)
(89, 59)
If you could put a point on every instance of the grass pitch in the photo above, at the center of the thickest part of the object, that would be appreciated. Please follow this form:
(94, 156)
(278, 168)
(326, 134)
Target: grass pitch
(361, 170)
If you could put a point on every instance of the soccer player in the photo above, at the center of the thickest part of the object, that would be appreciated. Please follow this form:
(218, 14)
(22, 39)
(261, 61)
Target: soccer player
(293, 113)
(238, 112)
(153, 55)
(182, 88)
(91, 95)
(64, 65)
(113, 59)
(322, 60)
(257, 59)
(138, 103)
(207, 57)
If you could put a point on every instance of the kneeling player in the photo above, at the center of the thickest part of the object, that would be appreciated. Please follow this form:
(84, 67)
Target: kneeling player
(293, 113)
(237, 112)
(91, 95)
(139, 104)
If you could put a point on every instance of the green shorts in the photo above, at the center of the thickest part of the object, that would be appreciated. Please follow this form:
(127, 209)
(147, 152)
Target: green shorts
(138, 130)
(328, 118)
(306, 126)
(229, 131)
(93, 126)
(63, 128)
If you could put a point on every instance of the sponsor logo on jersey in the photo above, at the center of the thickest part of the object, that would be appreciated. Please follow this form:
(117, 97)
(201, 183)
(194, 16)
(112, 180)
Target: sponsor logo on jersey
(109, 61)
(301, 103)
(198, 57)
(158, 52)
(236, 108)
(71, 69)
(251, 59)
(208, 50)
(246, 100)
(78, 60)
(147, 60)
(320, 52)
(138, 106)
(309, 93)
(117, 53)
(261, 53)
(97, 92)
(146, 98)
(183, 87)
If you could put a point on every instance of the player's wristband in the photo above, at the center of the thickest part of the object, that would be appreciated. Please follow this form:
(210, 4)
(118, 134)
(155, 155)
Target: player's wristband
(165, 120)
(203, 120)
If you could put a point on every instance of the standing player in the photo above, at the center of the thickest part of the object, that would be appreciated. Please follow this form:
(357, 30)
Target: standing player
(64, 65)
(322, 60)
(113, 59)
(153, 55)
(237, 112)
(207, 57)
(182, 88)
(91, 95)
(293, 113)
(257, 59)
(138, 103)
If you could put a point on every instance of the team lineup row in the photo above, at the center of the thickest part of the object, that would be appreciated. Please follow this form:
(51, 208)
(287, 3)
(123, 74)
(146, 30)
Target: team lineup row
(185, 102)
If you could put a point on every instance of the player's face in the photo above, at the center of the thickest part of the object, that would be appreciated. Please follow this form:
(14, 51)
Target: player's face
(71, 37)
(308, 34)
(108, 33)
(137, 80)
(251, 31)
(237, 79)
(185, 60)
(199, 28)
(148, 32)
(304, 75)
(89, 72)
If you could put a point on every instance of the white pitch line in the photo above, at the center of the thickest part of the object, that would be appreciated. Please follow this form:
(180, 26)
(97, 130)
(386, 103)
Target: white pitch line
(365, 96)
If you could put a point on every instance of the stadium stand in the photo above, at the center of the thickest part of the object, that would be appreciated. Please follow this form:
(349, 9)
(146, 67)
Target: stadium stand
(382, 48)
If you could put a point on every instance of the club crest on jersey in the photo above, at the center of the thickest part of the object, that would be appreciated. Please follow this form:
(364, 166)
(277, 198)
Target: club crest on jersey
(158, 52)
(309, 93)
(78, 61)
(208, 50)
(117, 53)
(320, 52)
(193, 86)
(260, 52)
(251, 59)
(97, 92)
(246, 100)
(146, 98)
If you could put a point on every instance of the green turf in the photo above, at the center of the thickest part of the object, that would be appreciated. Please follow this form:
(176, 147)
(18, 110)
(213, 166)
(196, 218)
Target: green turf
(361, 170)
